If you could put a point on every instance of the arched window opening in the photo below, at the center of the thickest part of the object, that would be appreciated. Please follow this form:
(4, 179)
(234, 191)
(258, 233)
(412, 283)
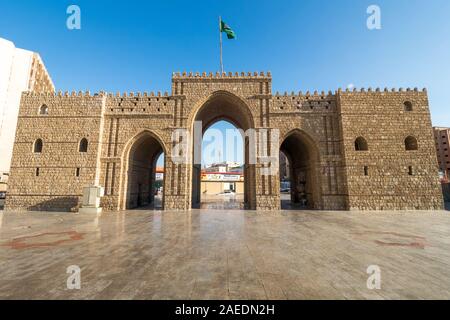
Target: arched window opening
(408, 106)
(83, 147)
(411, 144)
(43, 110)
(38, 146)
(361, 144)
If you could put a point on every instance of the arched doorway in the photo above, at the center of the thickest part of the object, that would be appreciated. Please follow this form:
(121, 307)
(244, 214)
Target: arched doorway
(222, 176)
(144, 167)
(299, 172)
(222, 106)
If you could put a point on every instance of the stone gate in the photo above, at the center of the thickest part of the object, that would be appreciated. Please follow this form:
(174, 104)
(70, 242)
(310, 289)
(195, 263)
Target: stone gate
(360, 149)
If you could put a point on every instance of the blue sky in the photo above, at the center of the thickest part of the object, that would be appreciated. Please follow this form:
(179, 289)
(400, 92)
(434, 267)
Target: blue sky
(307, 45)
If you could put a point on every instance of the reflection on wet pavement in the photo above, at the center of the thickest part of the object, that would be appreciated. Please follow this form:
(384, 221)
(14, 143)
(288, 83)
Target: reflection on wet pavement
(230, 201)
(225, 254)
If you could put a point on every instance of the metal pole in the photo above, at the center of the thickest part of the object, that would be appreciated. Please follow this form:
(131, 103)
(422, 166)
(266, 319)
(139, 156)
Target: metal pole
(220, 32)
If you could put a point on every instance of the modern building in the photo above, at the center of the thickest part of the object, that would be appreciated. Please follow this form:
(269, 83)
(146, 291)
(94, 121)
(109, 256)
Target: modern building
(224, 166)
(4, 181)
(442, 141)
(219, 182)
(159, 174)
(284, 167)
(20, 70)
(367, 149)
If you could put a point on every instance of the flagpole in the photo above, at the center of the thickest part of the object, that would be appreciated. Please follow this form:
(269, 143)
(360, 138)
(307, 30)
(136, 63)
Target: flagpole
(220, 33)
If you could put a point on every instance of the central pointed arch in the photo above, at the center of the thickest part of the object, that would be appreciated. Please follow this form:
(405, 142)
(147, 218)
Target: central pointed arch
(222, 105)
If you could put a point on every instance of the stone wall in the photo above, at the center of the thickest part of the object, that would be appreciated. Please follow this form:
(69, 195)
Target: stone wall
(40, 80)
(396, 178)
(317, 117)
(69, 119)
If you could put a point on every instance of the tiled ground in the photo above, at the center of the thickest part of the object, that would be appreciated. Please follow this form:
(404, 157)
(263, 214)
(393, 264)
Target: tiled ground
(223, 254)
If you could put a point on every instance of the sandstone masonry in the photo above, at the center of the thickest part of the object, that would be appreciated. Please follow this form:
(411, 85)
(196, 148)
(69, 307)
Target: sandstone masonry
(360, 149)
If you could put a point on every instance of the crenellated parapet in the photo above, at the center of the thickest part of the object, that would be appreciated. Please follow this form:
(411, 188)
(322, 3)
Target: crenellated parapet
(304, 102)
(164, 103)
(380, 101)
(218, 75)
(379, 90)
(82, 94)
(140, 102)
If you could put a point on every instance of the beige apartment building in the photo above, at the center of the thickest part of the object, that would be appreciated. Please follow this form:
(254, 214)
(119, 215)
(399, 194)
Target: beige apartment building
(442, 141)
(20, 70)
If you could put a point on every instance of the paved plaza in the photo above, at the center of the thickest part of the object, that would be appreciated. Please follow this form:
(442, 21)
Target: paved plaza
(225, 254)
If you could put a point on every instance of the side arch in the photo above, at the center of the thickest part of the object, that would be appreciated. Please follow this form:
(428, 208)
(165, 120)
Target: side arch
(141, 152)
(303, 155)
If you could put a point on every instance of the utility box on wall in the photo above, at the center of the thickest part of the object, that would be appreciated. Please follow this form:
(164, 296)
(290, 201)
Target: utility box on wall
(91, 199)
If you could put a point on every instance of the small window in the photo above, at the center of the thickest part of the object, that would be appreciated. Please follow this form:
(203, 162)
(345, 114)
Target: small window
(361, 144)
(77, 172)
(37, 172)
(410, 170)
(411, 144)
(408, 106)
(43, 110)
(366, 170)
(83, 147)
(38, 145)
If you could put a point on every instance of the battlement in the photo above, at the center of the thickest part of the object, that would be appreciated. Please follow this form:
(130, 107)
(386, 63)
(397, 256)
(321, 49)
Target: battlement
(329, 94)
(60, 94)
(306, 95)
(224, 75)
(152, 94)
(378, 90)
(159, 94)
(87, 94)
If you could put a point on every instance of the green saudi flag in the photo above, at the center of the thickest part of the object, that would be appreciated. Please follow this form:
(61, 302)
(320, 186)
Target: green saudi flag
(226, 28)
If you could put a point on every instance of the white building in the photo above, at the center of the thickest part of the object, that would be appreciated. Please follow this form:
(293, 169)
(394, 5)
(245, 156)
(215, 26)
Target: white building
(224, 166)
(20, 70)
